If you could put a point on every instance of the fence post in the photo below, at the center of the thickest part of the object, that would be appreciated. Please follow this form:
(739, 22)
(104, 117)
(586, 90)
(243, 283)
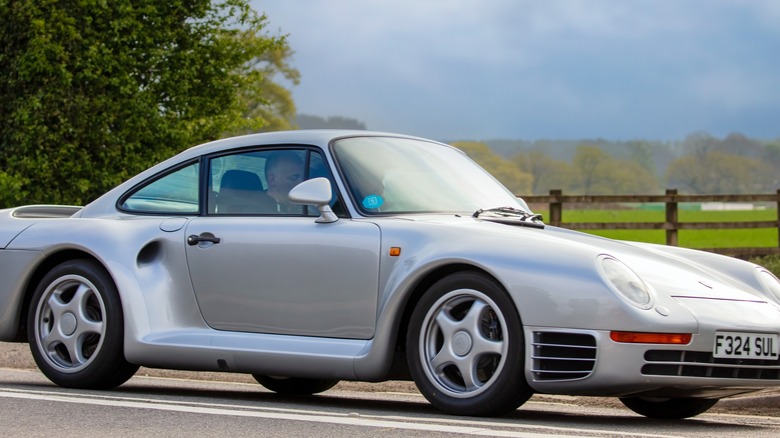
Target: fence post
(556, 207)
(671, 217)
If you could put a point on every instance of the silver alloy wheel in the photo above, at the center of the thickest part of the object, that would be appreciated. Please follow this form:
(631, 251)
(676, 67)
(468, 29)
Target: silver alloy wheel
(69, 323)
(463, 343)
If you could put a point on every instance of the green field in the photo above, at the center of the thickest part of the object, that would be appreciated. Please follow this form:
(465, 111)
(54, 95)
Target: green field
(738, 238)
(757, 237)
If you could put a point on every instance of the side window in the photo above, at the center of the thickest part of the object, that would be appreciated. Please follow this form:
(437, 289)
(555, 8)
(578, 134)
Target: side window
(174, 193)
(239, 184)
(258, 182)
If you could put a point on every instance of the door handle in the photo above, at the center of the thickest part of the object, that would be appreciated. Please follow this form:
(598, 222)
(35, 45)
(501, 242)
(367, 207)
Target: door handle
(194, 240)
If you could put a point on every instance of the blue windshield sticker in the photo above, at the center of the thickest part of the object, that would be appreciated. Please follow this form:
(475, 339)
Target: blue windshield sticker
(372, 202)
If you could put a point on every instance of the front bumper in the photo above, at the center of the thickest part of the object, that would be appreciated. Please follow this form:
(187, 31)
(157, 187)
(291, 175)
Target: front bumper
(588, 362)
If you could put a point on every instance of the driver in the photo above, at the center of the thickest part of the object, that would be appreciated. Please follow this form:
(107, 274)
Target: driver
(283, 171)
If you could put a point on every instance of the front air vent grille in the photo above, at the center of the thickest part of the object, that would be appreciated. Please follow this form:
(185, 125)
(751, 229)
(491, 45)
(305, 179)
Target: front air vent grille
(563, 356)
(702, 364)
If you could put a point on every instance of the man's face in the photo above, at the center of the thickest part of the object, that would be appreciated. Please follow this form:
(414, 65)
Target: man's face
(286, 175)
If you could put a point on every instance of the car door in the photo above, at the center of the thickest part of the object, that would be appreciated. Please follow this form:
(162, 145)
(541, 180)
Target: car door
(278, 271)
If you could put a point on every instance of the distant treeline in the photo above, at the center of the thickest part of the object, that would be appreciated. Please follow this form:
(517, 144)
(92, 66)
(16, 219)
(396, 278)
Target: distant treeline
(698, 164)
(314, 122)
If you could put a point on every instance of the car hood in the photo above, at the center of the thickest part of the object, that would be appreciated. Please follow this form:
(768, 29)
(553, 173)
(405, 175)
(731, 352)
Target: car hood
(677, 272)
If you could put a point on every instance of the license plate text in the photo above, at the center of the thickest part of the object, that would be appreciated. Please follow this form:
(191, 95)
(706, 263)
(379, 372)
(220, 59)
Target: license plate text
(746, 345)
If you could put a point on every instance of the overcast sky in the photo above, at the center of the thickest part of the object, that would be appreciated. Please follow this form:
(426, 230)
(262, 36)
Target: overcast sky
(552, 69)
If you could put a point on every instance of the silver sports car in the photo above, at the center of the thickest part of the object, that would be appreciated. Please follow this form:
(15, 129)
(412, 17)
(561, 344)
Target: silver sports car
(308, 257)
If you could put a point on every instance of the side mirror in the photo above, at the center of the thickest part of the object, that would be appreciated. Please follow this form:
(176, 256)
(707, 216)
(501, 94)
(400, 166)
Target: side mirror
(316, 192)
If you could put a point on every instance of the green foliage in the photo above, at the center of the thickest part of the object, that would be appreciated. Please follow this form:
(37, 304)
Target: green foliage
(770, 262)
(592, 171)
(547, 172)
(510, 175)
(9, 184)
(642, 153)
(592, 166)
(720, 172)
(93, 91)
(269, 101)
(596, 172)
(701, 164)
(305, 121)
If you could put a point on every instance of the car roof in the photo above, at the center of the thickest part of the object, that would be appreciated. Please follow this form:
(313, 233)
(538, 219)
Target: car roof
(320, 137)
(315, 137)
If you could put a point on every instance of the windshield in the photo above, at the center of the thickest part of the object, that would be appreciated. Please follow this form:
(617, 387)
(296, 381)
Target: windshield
(399, 175)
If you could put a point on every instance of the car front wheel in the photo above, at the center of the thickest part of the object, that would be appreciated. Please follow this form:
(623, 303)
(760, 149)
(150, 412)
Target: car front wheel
(75, 328)
(295, 385)
(465, 347)
(668, 408)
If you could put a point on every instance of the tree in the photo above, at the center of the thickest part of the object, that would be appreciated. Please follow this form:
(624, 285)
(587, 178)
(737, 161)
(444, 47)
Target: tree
(547, 172)
(738, 144)
(305, 121)
(629, 177)
(92, 92)
(771, 157)
(598, 173)
(700, 143)
(591, 166)
(719, 173)
(513, 178)
(772, 153)
(642, 153)
(275, 105)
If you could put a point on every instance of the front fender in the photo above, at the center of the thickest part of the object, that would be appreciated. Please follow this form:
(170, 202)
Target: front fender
(552, 283)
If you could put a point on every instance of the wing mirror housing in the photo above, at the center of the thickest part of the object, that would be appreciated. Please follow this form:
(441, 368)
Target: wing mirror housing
(316, 192)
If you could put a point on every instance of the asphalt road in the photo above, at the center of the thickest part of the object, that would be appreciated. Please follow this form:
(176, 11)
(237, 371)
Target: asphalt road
(30, 406)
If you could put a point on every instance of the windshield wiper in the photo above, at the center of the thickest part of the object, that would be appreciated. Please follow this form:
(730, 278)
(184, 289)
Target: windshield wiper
(510, 215)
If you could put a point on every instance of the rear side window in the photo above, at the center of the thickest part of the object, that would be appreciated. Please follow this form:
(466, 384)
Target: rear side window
(174, 193)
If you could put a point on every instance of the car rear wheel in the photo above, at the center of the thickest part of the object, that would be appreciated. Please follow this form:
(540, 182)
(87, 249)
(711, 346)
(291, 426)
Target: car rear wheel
(75, 328)
(465, 347)
(668, 408)
(295, 385)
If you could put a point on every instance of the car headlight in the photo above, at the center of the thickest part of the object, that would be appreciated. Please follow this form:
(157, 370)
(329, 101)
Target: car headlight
(770, 283)
(625, 282)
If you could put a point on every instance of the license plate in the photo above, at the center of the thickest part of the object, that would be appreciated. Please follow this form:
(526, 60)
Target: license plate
(737, 345)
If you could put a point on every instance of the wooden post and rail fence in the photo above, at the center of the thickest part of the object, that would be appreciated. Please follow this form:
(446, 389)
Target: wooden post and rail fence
(672, 225)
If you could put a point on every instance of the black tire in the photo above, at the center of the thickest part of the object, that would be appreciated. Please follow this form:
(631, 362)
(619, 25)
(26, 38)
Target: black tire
(467, 325)
(294, 385)
(76, 328)
(669, 408)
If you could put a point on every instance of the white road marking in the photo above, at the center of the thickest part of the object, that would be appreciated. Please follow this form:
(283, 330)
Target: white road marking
(465, 427)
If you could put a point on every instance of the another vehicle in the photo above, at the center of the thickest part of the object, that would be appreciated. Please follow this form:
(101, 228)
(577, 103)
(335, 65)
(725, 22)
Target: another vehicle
(308, 257)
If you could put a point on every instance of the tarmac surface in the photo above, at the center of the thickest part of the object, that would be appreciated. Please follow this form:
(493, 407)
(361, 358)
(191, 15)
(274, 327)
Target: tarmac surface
(764, 403)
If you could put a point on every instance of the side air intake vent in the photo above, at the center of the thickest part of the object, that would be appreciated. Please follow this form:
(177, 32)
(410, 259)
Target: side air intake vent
(563, 356)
